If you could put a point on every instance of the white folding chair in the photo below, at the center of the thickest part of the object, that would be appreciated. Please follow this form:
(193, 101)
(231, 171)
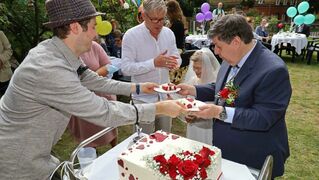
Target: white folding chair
(266, 171)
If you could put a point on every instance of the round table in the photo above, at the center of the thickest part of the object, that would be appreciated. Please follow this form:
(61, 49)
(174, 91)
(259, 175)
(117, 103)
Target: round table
(198, 40)
(299, 41)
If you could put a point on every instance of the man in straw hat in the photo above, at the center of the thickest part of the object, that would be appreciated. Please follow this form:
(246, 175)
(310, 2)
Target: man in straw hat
(51, 84)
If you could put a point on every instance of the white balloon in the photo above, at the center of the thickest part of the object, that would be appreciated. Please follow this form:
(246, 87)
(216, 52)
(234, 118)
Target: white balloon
(126, 5)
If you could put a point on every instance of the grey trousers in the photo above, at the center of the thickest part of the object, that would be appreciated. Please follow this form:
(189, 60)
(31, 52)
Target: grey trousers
(161, 123)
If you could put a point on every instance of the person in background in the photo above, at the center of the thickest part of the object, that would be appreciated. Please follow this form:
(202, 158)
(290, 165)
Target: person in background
(51, 84)
(262, 31)
(148, 53)
(117, 52)
(176, 24)
(203, 69)
(96, 60)
(303, 29)
(109, 39)
(218, 12)
(139, 17)
(5, 67)
(251, 95)
(250, 21)
(117, 47)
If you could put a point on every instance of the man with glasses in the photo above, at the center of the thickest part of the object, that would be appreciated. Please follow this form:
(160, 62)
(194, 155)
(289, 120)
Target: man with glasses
(148, 52)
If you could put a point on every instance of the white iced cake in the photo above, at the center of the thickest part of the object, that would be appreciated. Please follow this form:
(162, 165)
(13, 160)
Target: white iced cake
(164, 155)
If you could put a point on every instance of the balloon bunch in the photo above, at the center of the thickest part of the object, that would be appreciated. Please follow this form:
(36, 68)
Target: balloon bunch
(205, 14)
(103, 28)
(301, 19)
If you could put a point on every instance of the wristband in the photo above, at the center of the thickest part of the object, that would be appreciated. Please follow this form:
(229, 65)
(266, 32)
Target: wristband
(138, 90)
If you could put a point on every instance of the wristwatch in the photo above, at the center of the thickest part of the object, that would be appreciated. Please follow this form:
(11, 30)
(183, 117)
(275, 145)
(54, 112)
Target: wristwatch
(223, 114)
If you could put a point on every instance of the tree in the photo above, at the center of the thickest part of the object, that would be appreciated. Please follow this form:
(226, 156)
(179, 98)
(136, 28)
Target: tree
(22, 20)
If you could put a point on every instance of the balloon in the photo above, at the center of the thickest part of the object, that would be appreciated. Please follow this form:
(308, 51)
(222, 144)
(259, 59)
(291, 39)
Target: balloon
(103, 28)
(200, 17)
(303, 7)
(205, 7)
(126, 5)
(98, 19)
(291, 11)
(299, 19)
(309, 19)
(208, 15)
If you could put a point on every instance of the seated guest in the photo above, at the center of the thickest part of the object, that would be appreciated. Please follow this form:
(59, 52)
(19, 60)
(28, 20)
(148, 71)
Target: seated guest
(203, 69)
(303, 29)
(263, 35)
(262, 31)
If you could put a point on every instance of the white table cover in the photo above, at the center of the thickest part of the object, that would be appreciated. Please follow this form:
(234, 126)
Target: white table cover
(198, 40)
(299, 41)
(105, 167)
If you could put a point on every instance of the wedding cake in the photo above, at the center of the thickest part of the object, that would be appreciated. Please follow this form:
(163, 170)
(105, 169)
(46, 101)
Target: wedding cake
(164, 155)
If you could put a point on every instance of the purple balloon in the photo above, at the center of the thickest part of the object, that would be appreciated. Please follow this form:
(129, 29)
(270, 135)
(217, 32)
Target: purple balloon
(208, 16)
(205, 7)
(200, 17)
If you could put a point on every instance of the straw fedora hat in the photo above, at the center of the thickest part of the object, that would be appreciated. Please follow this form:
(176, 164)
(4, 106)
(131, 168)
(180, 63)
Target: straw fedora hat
(63, 12)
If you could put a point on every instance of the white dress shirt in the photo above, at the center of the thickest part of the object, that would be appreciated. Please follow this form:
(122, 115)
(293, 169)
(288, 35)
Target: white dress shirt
(139, 48)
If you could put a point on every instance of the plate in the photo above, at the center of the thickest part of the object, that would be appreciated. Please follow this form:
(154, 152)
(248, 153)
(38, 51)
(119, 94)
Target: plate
(160, 90)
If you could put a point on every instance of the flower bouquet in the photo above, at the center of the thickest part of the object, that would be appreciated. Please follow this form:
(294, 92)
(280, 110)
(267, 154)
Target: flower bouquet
(229, 93)
(183, 165)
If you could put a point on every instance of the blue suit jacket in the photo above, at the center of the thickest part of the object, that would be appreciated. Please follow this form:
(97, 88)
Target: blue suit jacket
(258, 127)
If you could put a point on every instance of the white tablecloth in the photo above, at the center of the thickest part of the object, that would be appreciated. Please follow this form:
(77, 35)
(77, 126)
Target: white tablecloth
(299, 41)
(106, 167)
(198, 40)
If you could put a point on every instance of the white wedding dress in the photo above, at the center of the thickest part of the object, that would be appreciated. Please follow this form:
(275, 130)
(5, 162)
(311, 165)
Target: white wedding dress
(201, 130)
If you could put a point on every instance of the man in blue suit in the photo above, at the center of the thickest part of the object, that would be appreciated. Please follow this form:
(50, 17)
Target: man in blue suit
(249, 114)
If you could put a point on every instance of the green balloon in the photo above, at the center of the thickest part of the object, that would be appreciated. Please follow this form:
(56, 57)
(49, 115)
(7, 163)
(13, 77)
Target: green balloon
(299, 19)
(309, 19)
(291, 11)
(303, 7)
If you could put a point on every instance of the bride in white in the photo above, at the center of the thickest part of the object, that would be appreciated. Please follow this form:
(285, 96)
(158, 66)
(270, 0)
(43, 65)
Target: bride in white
(202, 69)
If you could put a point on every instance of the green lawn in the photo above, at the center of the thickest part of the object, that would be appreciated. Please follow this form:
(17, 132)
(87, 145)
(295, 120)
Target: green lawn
(302, 121)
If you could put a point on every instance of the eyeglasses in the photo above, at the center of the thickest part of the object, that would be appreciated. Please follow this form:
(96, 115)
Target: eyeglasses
(154, 20)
